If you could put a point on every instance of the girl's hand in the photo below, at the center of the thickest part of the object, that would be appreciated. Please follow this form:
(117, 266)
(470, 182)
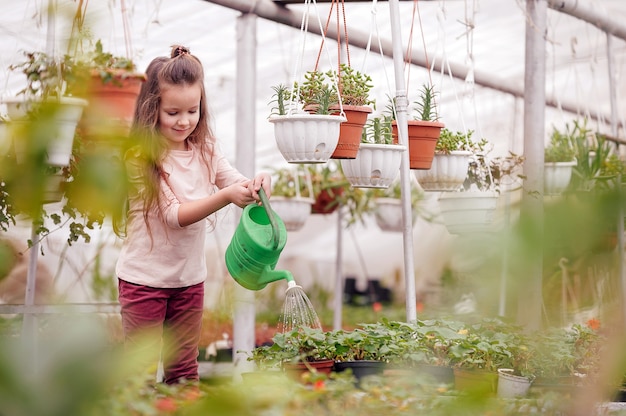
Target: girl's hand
(262, 180)
(240, 194)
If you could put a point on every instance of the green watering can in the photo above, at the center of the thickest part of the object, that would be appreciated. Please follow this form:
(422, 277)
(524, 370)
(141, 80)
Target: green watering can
(254, 249)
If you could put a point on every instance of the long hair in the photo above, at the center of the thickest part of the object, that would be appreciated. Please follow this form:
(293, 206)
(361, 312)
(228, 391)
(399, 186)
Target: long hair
(181, 68)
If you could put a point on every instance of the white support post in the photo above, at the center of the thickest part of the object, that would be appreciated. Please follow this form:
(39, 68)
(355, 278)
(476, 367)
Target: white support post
(529, 303)
(405, 180)
(244, 315)
(338, 300)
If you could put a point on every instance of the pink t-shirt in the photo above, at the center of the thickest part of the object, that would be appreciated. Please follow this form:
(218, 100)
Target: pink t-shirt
(175, 256)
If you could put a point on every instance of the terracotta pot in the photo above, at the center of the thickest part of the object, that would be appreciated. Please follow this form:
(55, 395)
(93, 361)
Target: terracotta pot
(115, 99)
(324, 201)
(423, 137)
(295, 371)
(350, 131)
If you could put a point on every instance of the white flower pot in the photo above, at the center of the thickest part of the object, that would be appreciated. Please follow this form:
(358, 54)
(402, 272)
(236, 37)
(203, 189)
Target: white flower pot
(293, 211)
(510, 385)
(468, 212)
(59, 147)
(388, 214)
(306, 138)
(556, 176)
(375, 166)
(447, 172)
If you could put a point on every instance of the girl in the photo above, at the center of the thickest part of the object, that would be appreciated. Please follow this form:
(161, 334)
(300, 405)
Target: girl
(177, 177)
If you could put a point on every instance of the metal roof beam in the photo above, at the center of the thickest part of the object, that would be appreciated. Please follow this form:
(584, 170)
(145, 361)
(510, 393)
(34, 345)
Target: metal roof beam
(593, 15)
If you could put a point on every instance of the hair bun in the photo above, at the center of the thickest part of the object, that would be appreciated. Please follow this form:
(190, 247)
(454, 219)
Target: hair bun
(178, 50)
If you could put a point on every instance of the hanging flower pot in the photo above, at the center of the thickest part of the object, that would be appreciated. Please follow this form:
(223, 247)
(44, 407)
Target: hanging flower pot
(388, 214)
(326, 201)
(306, 138)
(557, 176)
(114, 98)
(447, 173)
(350, 131)
(64, 114)
(293, 211)
(375, 166)
(467, 212)
(423, 136)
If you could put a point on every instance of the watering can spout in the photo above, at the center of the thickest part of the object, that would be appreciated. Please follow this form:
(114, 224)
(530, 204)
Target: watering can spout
(274, 275)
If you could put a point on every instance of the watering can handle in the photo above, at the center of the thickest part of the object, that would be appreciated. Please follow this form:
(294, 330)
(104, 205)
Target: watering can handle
(270, 214)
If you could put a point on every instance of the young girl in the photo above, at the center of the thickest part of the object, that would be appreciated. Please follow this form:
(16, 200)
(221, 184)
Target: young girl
(177, 177)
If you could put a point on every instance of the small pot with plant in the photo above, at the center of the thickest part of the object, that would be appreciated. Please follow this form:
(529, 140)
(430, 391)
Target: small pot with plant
(388, 206)
(292, 196)
(112, 88)
(378, 159)
(560, 159)
(302, 136)
(354, 88)
(298, 352)
(423, 131)
(473, 207)
(450, 163)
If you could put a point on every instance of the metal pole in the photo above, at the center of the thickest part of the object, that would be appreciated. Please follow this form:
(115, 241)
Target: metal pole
(405, 180)
(244, 302)
(529, 301)
(338, 300)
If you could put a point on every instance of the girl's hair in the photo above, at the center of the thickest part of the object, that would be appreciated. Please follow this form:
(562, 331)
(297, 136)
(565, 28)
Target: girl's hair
(181, 68)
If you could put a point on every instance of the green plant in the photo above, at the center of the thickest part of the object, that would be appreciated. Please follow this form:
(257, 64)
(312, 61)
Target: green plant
(46, 76)
(291, 183)
(281, 94)
(561, 147)
(426, 106)
(450, 141)
(354, 86)
(297, 345)
(326, 88)
(377, 131)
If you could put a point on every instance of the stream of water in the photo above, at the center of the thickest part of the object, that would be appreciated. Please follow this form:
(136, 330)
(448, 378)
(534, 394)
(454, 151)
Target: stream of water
(297, 311)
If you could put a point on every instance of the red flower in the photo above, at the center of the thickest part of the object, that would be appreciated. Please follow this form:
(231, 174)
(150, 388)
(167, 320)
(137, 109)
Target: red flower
(377, 306)
(594, 324)
(165, 404)
(319, 385)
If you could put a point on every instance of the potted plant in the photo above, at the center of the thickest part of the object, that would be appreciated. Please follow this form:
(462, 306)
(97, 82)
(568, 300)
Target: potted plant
(378, 160)
(303, 136)
(297, 352)
(559, 159)
(353, 90)
(473, 207)
(451, 161)
(349, 96)
(423, 131)
(112, 87)
(387, 206)
(292, 196)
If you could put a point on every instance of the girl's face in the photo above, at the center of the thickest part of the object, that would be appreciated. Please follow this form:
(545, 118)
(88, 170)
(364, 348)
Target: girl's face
(179, 113)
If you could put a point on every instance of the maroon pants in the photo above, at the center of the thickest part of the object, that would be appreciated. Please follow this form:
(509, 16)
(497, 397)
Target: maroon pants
(171, 317)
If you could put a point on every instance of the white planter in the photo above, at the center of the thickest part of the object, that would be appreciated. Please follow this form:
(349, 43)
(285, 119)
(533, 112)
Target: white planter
(375, 165)
(468, 212)
(293, 211)
(447, 173)
(59, 147)
(510, 385)
(388, 214)
(306, 138)
(556, 176)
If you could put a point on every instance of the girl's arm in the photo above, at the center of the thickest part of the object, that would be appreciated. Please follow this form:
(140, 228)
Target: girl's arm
(194, 211)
